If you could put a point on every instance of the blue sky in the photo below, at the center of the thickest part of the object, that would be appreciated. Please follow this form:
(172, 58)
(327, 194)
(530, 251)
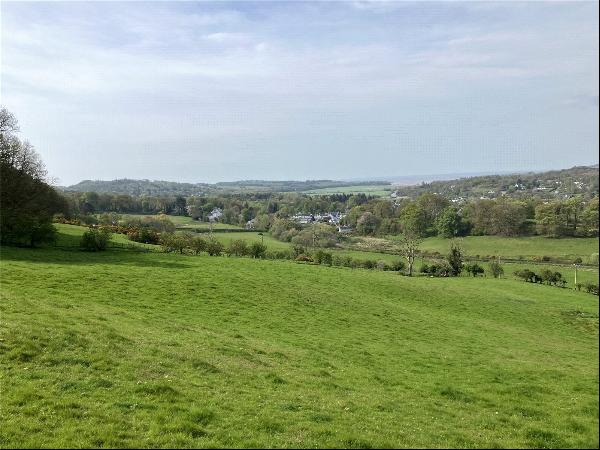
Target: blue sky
(205, 92)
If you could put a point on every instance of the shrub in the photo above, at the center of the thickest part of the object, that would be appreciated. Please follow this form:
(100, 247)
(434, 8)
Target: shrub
(397, 265)
(424, 268)
(214, 247)
(198, 244)
(144, 235)
(382, 265)
(257, 250)
(95, 239)
(238, 247)
(369, 264)
(591, 288)
(474, 269)
(304, 258)
(495, 269)
(322, 257)
(455, 260)
(526, 275)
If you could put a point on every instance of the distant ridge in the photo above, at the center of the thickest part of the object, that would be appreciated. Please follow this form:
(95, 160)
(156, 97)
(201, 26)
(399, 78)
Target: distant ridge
(406, 185)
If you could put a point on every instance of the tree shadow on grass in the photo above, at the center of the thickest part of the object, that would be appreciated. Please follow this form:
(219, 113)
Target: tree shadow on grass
(74, 256)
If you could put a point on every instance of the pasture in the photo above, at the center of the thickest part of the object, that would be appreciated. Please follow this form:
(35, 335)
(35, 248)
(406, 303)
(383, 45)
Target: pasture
(383, 190)
(127, 349)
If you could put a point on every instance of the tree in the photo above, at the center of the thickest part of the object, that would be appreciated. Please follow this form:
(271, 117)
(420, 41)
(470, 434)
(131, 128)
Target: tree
(448, 223)
(455, 259)
(95, 239)
(495, 268)
(27, 201)
(409, 248)
(474, 269)
(257, 249)
(367, 223)
(238, 247)
(413, 220)
(198, 244)
(214, 247)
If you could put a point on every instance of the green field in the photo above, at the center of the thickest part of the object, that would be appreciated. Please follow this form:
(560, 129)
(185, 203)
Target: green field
(69, 236)
(383, 190)
(187, 222)
(130, 349)
(527, 247)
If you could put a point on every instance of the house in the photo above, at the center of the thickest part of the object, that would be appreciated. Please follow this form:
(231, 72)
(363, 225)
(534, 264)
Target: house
(344, 229)
(251, 224)
(215, 214)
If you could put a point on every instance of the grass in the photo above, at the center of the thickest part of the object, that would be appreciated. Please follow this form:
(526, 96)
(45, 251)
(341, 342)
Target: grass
(187, 222)
(126, 349)
(527, 247)
(383, 190)
(69, 236)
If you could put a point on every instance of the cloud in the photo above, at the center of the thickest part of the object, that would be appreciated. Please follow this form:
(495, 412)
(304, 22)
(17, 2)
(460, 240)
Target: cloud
(290, 79)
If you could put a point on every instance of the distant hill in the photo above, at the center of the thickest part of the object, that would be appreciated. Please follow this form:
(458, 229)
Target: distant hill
(158, 188)
(579, 180)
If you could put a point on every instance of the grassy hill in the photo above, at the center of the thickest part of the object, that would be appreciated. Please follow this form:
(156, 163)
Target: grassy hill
(579, 180)
(125, 349)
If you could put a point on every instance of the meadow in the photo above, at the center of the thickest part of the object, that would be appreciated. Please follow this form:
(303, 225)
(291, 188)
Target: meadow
(383, 190)
(127, 349)
(186, 222)
(70, 235)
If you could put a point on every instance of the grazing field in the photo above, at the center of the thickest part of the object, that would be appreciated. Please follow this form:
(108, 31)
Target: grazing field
(383, 190)
(187, 222)
(527, 247)
(70, 235)
(128, 349)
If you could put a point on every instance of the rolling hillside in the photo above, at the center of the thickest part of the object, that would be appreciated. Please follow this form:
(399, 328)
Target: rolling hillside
(125, 349)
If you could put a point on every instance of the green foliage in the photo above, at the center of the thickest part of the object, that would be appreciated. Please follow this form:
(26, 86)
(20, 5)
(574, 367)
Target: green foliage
(322, 257)
(214, 247)
(198, 244)
(367, 223)
(257, 250)
(474, 269)
(238, 247)
(455, 259)
(27, 202)
(495, 268)
(448, 224)
(95, 239)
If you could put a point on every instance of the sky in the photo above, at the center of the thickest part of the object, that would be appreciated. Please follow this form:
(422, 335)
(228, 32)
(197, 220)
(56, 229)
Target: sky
(223, 91)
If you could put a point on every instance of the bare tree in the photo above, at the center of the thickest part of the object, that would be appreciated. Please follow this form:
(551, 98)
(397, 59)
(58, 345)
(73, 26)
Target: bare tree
(8, 122)
(409, 248)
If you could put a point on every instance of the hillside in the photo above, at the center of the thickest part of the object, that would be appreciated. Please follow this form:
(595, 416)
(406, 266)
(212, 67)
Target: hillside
(125, 349)
(582, 180)
(158, 188)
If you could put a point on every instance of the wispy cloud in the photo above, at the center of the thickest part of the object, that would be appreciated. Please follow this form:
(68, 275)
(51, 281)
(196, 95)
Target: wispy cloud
(268, 79)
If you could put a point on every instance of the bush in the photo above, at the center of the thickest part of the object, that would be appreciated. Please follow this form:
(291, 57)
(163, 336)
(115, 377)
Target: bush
(322, 257)
(397, 265)
(198, 244)
(95, 239)
(214, 247)
(474, 269)
(369, 264)
(382, 265)
(304, 258)
(238, 247)
(591, 288)
(495, 269)
(257, 250)
(144, 235)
